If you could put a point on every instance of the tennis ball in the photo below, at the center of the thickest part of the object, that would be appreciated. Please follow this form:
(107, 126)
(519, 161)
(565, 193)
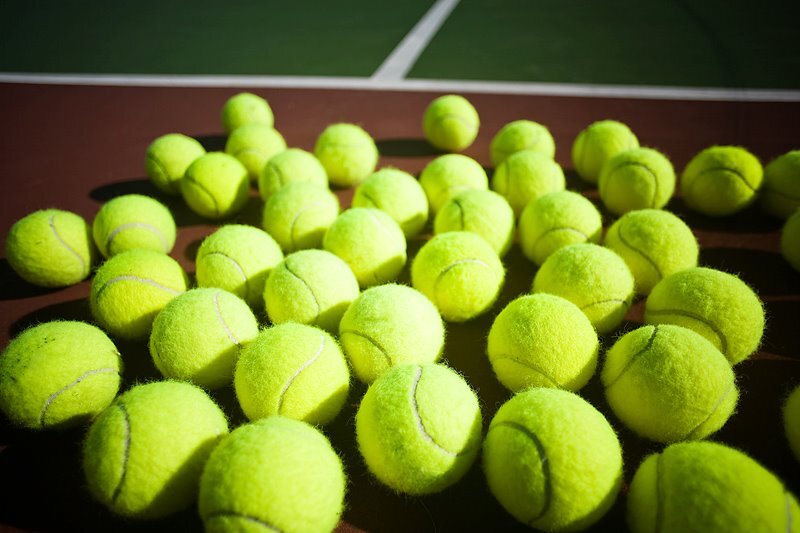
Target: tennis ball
(238, 259)
(167, 159)
(215, 185)
(721, 180)
(592, 277)
(298, 215)
(791, 421)
(276, 474)
(131, 288)
(460, 273)
(654, 244)
(448, 175)
(311, 287)
(668, 383)
(790, 240)
(450, 123)
(717, 305)
(289, 166)
(399, 194)
(348, 154)
(198, 335)
(144, 454)
(638, 178)
(552, 460)
(419, 428)
(390, 325)
(694, 487)
(292, 370)
(521, 135)
(133, 221)
(246, 108)
(526, 175)
(484, 213)
(555, 220)
(370, 242)
(780, 191)
(51, 248)
(597, 143)
(58, 374)
(253, 145)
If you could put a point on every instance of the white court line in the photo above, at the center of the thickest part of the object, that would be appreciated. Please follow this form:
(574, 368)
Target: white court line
(417, 85)
(403, 57)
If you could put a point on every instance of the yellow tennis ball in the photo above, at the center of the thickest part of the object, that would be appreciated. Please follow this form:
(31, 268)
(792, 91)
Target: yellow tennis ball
(526, 175)
(51, 248)
(133, 221)
(399, 194)
(484, 213)
(167, 159)
(238, 259)
(694, 487)
(253, 145)
(348, 154)
(311, 287)
(721, 180)
(419, 428)
(292, 370)
(289, 166)
(592, 277)
(552, 460)
(638, 178)
(790, 240)
(198, 335)
(541, 340)
(597, 143)
(555, 220)
(654, 244)
(791, 421)
(370, 242)
(521, 135)
(277, 474)
(448, 175)
(668, 383)
(390, 325)
(131, 288)
(246, 108)
(717, 305)
(215, 185)
(780, 192)
(460, 273)
(58, 374)
(298, 215)
(450, 123)
(144, 454)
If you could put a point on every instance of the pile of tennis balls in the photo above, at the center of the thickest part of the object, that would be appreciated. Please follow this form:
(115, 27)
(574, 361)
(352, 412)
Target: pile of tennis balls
(325, 278)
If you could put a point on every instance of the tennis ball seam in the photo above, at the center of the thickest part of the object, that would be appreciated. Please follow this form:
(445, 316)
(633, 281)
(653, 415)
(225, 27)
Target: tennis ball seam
(371, 200)
(450, 267)
(305, 365)
(145, 225)
(601, 302)
(718, 332)
(296, 219)
(725, 169)
(147, 281)
(65, 388)
(459, 118)
(371, 340)
(418, 418)
(713, 410)
(254, 151)
(460, 207)
(310, 290)
(277, 170)
(52, 224)
(528, 365)
(160, 165)
(560, 228)
(634, 358)
(238, 267)
(652, 202)
(234, 514)
(189, 179)
(225, 326)
(638, 251)
(125, 453)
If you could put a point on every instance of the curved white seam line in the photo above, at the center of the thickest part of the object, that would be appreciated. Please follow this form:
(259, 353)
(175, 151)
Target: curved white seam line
(60, 391)
(135, 278)
(64, 243)
(144, 225)
(299, 370)
(418, 418)
(231, 336)
(297, 217)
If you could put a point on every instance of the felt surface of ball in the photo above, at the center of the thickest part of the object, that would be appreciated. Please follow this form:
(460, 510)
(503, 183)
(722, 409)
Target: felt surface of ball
(275, 474)
(289, 166)
(292, 370)
(780, 191)
(133, 221)
(592, 277)
(370, 242)
(167, 159)
(51, 248)
(448, 175)
(521, 135)
(450, 123)
(58, 374)
(215, 185)
(311, 287)
(526, 175)
(253, 145)
(143, 456)
(419, 428)
(238, 259)
(790, 240)
(347, 153)
(556, 220)
(791, 421)
(460, 273)
(638, 178)
(721, 180)
(717, 305)
(552, 460)
(390, 325)
(654, 244)
(694, 487)
(399, 194)
(246, 108)
(298, 215)
(541, 340)
(484, 213)
(597, 143)
(198, 335)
